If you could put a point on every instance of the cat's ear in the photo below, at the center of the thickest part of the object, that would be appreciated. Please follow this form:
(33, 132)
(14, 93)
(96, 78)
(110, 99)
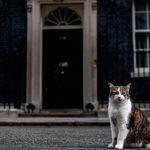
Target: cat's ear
(128, 85)
(110, 85)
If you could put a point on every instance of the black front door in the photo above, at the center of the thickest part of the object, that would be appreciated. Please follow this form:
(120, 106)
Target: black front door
(62, 69)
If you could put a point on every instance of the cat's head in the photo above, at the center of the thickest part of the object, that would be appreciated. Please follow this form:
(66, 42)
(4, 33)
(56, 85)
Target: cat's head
(119, 93)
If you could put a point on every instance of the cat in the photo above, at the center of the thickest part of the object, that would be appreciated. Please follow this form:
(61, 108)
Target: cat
(129, 127)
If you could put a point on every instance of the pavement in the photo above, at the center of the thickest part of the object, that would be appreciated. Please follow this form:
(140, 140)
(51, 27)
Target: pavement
(55, 138)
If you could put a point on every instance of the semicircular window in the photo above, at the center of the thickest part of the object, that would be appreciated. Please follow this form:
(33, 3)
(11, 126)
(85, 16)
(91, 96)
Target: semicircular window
(62, 16)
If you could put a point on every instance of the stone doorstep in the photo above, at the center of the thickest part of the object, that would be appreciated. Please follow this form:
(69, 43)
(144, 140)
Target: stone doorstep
(51, 118)
(59, 113)
(69, 118)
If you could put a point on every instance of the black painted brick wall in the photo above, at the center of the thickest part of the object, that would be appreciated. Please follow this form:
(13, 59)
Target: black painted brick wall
(13, 51)
(115, 50)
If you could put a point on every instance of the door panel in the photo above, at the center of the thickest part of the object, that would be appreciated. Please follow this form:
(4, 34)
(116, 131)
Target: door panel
(62, 69)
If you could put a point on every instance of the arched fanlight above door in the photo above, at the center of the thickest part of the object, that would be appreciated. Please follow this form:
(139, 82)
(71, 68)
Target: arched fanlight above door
(62, 16)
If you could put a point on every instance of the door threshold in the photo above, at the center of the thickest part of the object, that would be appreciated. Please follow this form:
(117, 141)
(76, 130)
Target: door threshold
(60, 113)
(66, 110)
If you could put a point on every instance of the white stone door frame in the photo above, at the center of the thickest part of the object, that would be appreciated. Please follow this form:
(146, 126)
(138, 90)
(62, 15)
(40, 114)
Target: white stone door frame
(34, 50)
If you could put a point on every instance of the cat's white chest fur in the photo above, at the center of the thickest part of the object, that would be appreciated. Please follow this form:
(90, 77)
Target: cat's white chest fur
(120, 111)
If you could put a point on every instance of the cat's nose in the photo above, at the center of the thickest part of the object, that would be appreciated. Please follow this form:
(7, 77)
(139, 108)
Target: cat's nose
(119, 99)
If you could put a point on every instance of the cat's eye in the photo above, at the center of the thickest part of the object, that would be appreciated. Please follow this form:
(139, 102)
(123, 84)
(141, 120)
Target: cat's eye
(123, 93)
(115, 93)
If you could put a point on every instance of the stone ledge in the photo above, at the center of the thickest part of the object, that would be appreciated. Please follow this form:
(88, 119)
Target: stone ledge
(59, 114)
(103, 112)
(53, 121)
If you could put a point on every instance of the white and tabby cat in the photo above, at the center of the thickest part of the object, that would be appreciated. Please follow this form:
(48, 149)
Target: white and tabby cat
(129, 127)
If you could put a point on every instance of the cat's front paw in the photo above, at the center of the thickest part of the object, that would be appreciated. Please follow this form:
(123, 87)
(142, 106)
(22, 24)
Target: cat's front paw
(110, 146)
(119, 146)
